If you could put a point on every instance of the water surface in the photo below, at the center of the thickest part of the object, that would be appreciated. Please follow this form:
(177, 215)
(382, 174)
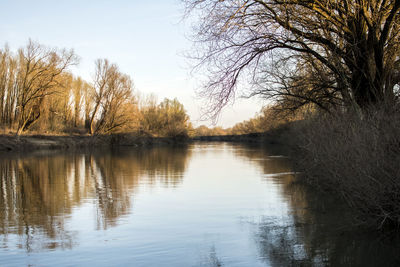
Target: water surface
(206, 204)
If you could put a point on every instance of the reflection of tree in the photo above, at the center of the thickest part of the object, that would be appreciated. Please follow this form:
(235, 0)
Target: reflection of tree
(119, 172)
(320, 233)
(319, 229)
(212, 259)
(266, 158)
(36, 192)
(32, 198)
(164, 164)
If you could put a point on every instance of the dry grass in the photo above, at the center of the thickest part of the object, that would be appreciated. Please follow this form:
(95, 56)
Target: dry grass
(358, 158)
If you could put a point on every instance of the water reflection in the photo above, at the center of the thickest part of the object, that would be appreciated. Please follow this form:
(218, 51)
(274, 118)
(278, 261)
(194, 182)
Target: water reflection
(211, 260)
(39, 192)
(272, 160)
(175, 206)
(319, 230)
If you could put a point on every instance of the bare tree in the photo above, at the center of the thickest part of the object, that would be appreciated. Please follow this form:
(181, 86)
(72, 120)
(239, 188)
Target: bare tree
(352, 46)
(37, 92)
(38, 73)
(112, 98)
(8, 92)
(79, 89)
(297, 83)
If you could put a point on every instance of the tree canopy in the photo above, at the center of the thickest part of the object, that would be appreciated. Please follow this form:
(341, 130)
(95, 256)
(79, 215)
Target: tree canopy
(327, 53)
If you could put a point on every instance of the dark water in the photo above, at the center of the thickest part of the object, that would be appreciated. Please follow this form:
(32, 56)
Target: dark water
(200, 205)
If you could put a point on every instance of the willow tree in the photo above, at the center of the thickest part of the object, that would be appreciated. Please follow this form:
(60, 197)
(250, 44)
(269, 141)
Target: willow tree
(351, 47)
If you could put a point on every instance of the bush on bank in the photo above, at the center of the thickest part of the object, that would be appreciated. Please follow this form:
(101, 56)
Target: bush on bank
(355, 157)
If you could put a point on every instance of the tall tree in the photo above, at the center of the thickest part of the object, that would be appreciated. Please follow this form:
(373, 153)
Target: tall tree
(352, 47)
(8, 89)
(38, 72)
(112, 99)
(79, 88)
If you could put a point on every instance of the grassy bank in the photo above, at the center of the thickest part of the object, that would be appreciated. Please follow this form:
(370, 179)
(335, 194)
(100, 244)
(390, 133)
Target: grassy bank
(357, 158)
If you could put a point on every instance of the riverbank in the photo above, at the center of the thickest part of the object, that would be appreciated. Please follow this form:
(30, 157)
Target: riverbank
(278, 136)
(52, 142)
(66, 142)
(248, 138)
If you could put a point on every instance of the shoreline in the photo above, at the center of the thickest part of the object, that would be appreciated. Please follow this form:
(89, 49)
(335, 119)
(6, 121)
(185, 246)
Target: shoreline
(13, 143)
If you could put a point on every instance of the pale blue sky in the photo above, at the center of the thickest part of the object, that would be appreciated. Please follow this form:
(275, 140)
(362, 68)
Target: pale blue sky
(145, 39)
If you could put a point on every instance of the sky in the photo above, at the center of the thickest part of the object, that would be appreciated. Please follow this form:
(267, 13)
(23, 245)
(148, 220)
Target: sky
(146, 39)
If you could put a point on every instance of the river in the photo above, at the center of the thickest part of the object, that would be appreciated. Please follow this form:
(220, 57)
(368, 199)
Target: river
(204, 204)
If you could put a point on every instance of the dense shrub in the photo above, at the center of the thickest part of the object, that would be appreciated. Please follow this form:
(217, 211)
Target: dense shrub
(357, 157)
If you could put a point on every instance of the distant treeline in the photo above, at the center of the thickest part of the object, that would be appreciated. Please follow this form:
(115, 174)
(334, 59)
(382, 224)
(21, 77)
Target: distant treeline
(268, 118)
(38, 93)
